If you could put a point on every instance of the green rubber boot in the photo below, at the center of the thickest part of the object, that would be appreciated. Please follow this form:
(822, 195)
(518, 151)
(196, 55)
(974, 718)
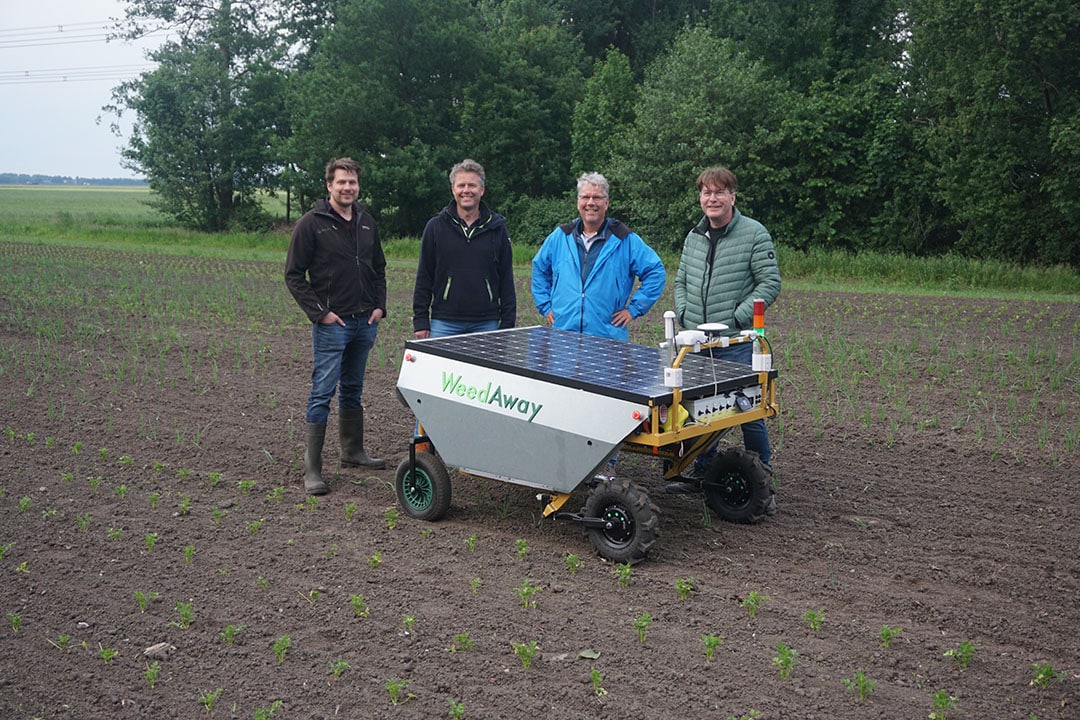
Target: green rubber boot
(313, 482)
(352, 441)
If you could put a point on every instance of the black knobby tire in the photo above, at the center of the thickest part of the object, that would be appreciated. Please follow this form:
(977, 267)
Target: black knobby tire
(738, 487)
(425, 493)
(633, 521)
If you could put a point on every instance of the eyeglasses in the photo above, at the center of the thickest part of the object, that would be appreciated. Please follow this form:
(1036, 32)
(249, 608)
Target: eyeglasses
(592, 198)
(705, 193)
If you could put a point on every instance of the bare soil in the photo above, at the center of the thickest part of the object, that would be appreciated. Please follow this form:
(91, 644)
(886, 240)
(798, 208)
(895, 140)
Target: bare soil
(918, 521)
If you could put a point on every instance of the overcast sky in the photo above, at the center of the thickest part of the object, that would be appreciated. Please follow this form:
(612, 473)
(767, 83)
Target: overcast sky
(56, 72)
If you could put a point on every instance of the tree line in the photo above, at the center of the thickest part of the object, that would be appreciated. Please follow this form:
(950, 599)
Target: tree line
(921, 127)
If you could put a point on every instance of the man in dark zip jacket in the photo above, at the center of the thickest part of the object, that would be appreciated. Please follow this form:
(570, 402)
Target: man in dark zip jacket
(336, 270)
(465, 277)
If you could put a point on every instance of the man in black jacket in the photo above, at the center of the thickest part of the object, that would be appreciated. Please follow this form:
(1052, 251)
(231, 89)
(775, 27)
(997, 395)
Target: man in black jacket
(336, 270)
(465, 277)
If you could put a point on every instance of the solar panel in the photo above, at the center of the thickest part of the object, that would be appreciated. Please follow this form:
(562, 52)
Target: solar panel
(618, 369)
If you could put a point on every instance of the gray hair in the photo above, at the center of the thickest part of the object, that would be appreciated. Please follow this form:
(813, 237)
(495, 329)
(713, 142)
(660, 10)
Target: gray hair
(593, 178)
(468, 165)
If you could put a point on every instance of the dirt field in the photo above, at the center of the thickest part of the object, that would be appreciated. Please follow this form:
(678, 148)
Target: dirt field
(927, 488)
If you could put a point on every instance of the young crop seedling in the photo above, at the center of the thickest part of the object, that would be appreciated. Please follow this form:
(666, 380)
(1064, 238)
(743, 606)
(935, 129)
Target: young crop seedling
(711, 642)
(752, 715)
(350, 510)
(641, 625)
(573, 562)
(887, 635)
(77, 448)
(121, 491)
(245, 486)
(784, 660)
(151, 674)
(596, 677)
(265, 713)
(264, 584)
(15, 621)
(48, 513)
(623, 573)
(525, 652)
(963, 654)
(208, 698)
(943, 704)
(5, 549)
(337, 667)
(62, 641)
(684, 586)
(521, 548)
(24, 504)
(184, 504)
(391, 516)
(215, 478)
(395, 687)
(375, 559)
(282, 644)
(23, 567)
(187, 615)
(150, 539)
(753, 601)
(409, 623)
(115, 533)
(254, 525)
(1044, 675)
(861, 685)
(95, 481)
(311, 503)
(143, 600)
(83, 521)
(470, 543)
(525, 592)
(154, 499)
(189, 554)
(104, 453)
(457, 709)
(230, 632)
(462, 642)
(359, 605)
(474, 585)
(814, 619)
(126, 460)
(277, 494)
(107, 654)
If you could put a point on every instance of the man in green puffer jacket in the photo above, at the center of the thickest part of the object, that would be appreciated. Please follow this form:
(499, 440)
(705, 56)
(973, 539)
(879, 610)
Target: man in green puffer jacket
(728, 260)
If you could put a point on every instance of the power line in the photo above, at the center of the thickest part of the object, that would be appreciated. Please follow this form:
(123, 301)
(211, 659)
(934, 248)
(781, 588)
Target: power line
(52, 75)
(62, 34)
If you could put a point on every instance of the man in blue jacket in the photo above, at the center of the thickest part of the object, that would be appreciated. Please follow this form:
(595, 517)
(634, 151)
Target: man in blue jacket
(583, 276)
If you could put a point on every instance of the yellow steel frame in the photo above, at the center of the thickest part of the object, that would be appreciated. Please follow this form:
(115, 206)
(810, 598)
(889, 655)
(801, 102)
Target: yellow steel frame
(681, 445)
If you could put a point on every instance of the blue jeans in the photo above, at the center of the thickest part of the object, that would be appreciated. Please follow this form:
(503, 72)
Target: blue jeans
(755, 434)
(445, 328)
(340, 357)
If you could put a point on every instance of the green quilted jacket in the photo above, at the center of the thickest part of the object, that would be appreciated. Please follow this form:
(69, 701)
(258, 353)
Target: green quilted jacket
(743, 268)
